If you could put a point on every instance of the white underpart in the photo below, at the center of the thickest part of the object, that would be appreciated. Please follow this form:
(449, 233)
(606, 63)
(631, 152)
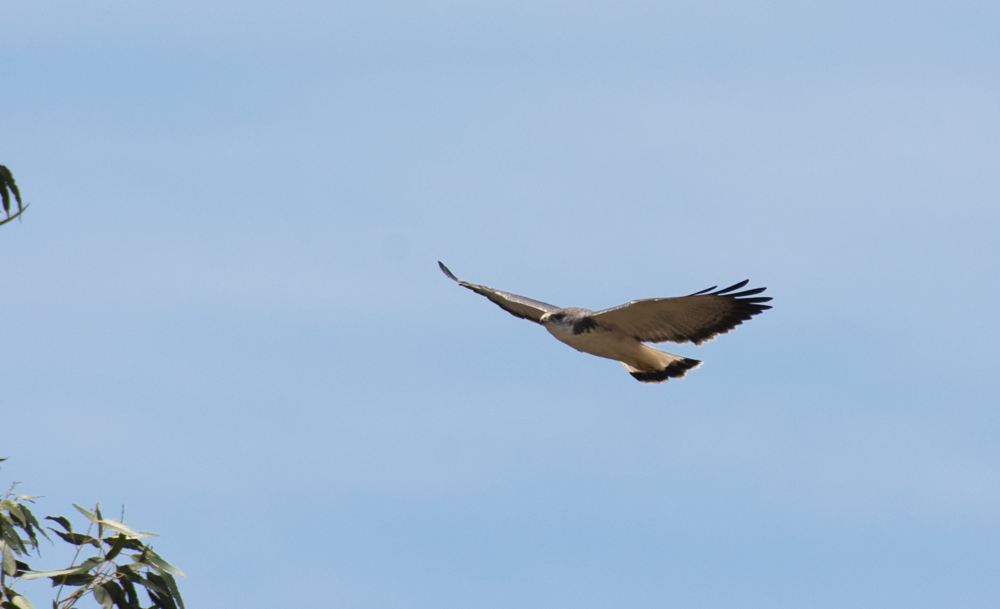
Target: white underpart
(634, 355)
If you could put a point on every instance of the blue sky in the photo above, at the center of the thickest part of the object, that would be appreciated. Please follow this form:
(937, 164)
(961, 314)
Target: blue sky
(231, 204)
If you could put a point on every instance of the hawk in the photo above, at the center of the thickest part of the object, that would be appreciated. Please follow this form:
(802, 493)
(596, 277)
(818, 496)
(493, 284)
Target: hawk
(619, 333)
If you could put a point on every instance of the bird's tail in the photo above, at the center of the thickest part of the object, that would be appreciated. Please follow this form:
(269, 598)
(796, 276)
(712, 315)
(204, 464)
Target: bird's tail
(659, 366)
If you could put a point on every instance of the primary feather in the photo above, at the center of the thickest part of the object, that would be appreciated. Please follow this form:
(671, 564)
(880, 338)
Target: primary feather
(686, 319)
(618, 333)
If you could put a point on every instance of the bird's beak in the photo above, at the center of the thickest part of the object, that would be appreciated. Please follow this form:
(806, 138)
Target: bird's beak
(543, 319)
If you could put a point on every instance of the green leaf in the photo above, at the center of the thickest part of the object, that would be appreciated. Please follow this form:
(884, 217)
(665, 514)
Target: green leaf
(129, 588)
(116, 593)
(159, 562)
(122, 528)
(4, 195)
(80, 569)
(7, 182)
(63, 521)
(22, 602)
(130, 544)
(77, 579)
(14, 510)
(33, 525)
(41, 574)
(9, 564)
(90, 563)
(103, 597)
(116, 547)
(163, 599)
(100, 525)
(174, 591)
(149, 584)
(15, 216)
(77, 539)
(90, 515)
(9, 534)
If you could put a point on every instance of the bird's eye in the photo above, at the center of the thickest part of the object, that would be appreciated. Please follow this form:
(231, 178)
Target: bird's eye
(559, 316)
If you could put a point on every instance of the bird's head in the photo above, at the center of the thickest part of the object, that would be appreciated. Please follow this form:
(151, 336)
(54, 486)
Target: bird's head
(563, 319)
(553, 317)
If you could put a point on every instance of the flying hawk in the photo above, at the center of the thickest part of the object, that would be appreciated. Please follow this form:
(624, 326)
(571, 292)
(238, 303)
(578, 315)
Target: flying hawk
(618, 333)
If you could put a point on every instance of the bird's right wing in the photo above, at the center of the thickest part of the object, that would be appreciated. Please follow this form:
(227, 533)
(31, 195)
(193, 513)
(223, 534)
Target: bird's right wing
(518, 306)
(697, 318)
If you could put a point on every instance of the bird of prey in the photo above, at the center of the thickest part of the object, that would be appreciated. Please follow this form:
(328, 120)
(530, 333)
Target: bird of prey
(619, 333)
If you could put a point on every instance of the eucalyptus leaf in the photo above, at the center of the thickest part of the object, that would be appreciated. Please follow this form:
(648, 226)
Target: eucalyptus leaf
(9, 534)
(7, 182)
(87, 513)
(9, 564)
(15, 510)
(21, 602)
(158, 561)
(77, 539)
(103, 597)
(128, 587)
(33, 525)
(128, 544)
(149, 584)
(90, 563)
(116, 547)
(162, 598)
(174, 591)
(122, 528)
(41, 574)
(74, 579)
(63, 521)
(100, 525)
(116, 593)
(81, 568)
(15, 216)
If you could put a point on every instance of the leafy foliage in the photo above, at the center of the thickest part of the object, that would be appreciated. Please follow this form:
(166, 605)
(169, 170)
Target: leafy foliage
(8, 187)
(114, 561)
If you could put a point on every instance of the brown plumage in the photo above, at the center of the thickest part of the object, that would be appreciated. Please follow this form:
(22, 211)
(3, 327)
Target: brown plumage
(618, 333)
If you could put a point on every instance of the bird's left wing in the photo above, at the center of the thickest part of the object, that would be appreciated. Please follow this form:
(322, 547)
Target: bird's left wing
(697, 318)
(518, 306)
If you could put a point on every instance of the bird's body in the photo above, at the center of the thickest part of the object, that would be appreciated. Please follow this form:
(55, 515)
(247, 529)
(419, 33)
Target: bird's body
(619, 333)
(638, 358)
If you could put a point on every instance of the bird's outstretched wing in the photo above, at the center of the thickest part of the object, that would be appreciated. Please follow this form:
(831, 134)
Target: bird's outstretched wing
(518, 306)
(697, 318)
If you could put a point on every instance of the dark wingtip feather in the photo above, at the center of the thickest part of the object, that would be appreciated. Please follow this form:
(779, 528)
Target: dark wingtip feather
(733, 287)
(703, 291)
(447, 272)
(743, 309)
(745, 293)
(675, 370)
